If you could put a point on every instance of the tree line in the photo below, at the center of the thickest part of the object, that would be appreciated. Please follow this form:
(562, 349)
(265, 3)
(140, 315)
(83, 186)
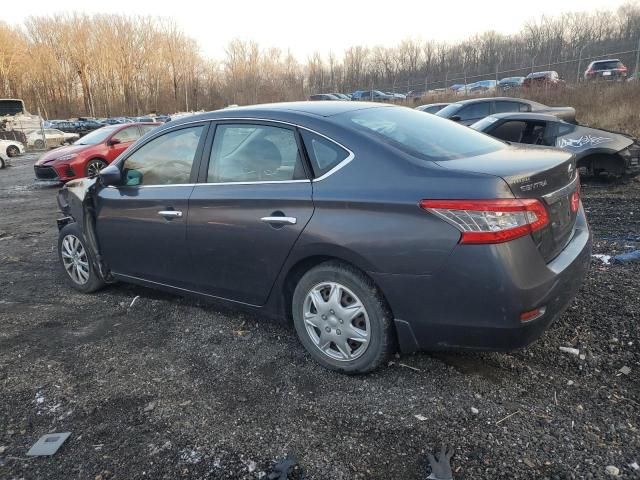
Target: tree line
(107, 65)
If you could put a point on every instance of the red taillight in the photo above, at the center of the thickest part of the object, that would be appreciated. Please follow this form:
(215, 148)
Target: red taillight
(622, 69)
(590, 72)
(490, 221)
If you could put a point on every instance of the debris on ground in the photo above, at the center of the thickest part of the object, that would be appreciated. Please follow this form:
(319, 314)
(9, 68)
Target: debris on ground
(422, 418)
(133, 302)
(572, 351)
(633, 256)
(441, 466)
(612, 471)
(606, 259)
(625, 370)
(283, 468)
(475, 411)
(48, 444)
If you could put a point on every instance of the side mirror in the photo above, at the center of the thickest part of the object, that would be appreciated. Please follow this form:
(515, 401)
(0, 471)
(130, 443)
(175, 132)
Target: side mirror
(110, 175)
(114, 141)
(455, 118)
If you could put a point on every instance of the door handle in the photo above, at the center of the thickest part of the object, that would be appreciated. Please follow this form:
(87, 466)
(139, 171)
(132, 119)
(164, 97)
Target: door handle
(280, 220)
(170, 213)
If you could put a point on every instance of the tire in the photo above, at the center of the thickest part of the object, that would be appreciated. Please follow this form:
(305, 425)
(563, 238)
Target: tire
(39, 144)
(93, 167)
(74, 255)
(13, 151)
(334, 341)
(2, 163)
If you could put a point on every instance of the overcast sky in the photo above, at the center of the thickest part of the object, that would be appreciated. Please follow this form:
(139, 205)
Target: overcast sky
(305, 26)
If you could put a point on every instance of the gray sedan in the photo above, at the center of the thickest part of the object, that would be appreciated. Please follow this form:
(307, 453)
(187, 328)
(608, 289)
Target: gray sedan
(374, 228)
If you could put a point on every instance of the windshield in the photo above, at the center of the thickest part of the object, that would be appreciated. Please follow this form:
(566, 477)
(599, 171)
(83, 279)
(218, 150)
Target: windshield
(97, 136)
(449, 110)
(420, 135)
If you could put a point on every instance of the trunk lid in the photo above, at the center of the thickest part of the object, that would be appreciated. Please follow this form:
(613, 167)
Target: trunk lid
(546, 174)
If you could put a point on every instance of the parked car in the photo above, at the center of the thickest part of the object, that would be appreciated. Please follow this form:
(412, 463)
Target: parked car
(4, 160)
(416, 94)
(431, 107)
(323, 96)
(396, 96)
(341, 96)
(596, 151)
(611, 69)
(457, 86)
(510, 83)
(470, 111)
(278, 209)
(480, 87)
(87, 156)
(49, 137)
(371, 96)
(547, 79)
(11, 148)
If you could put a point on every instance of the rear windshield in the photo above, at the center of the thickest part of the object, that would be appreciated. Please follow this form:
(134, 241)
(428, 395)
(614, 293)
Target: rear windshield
(423, 136)
(607, 65)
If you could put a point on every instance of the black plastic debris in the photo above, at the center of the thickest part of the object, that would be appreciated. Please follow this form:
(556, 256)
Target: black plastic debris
(48, 444)
(283, 468)
(441, 467)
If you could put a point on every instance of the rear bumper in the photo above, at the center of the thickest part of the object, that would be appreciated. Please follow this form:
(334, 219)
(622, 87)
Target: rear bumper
(476, 299)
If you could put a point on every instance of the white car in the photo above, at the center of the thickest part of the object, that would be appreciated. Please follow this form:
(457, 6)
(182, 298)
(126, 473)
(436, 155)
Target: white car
(11, 148)
(52, 137)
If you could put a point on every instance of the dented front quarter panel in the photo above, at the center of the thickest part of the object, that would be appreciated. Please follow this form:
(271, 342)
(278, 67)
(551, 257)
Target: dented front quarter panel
(72, 200)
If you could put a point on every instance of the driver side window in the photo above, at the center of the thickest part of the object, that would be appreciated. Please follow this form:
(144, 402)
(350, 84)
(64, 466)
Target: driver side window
(165, 160)
(130, 134)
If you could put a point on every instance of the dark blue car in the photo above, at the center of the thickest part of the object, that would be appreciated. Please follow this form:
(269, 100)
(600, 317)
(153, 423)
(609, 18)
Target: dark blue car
(373, 227)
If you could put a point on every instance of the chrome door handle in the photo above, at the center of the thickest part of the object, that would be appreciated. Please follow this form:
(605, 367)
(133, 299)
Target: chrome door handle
(280, 220)
(170, 213)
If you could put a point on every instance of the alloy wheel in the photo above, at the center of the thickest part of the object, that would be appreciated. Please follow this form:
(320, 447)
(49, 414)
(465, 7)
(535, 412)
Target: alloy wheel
(75, 260)
(94, 168)
(12, 150)
(336, 321)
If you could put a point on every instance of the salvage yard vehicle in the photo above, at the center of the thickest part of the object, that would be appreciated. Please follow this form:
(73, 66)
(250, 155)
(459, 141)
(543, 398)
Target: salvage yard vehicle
(611, 69)
(11, 148)
(88, 155)
(547, 79)
(431, 107)
(596, 151)
(49, 137)
(373, 227)
(470, 111)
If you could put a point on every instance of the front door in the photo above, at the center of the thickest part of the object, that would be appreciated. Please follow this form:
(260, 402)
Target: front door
(120, 141)
(245, 219)
(141, 224)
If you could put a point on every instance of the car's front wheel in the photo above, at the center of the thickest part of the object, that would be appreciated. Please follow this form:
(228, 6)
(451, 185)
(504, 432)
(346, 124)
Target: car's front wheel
(76, 259)
(94, 166)
(39, 144)
(342, 319)
(12, 151)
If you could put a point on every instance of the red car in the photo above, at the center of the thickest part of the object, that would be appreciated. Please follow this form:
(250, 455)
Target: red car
(91, 153)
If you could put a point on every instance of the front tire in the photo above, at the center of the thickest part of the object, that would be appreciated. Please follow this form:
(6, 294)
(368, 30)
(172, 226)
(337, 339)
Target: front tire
(94, 166)
(39, 144)
(12, 151)
(77, 261)
(342, 319)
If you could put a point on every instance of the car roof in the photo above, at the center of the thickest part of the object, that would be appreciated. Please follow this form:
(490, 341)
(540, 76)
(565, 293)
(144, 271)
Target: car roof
(526, 116)
(607, 60)
(279, 110)
(490, 99)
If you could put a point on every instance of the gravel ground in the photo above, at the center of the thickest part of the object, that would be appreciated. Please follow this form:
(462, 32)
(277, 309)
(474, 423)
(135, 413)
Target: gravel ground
(174, 388)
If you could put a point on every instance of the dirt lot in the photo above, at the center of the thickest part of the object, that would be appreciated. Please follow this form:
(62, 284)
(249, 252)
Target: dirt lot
(173, 388)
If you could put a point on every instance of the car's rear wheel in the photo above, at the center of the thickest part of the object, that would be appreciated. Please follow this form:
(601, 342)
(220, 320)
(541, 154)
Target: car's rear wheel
(77, 260)
(39, 143)
(94, 166)
(12, 150)
(342, 319)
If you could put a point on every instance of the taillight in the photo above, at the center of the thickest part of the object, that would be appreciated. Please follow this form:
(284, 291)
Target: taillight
(622, 69)
(574, 200)
(590, 72)
(490, 221)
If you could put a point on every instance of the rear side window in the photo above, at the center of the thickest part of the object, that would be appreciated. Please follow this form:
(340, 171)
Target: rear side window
(324, 154)
(503, 107)
(423, 136)
(475, 110)
(129, 134)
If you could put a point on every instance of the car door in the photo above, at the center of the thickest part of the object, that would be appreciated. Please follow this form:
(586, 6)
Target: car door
(141, 224)
(245, 217)
(121, 140)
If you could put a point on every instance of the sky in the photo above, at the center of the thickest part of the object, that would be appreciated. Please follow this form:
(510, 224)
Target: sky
(329, 25)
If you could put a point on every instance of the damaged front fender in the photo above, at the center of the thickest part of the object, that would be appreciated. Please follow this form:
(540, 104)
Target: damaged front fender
(76, 201)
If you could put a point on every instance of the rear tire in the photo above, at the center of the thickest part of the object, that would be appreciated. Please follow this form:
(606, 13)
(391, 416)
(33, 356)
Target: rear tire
(342, 319)
(39, 144)
(2, 164)
(12, 151)
(77, 260)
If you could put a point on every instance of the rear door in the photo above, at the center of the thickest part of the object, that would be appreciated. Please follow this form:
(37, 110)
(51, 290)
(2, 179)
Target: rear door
(141, 224)
(246, 215)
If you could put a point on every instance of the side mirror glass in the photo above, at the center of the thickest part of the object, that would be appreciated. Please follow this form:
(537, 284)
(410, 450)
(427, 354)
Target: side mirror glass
(132, 177)
(110, 175)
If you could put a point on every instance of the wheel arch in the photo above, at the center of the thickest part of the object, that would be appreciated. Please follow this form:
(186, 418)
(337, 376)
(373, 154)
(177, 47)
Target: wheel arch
(608, 160)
